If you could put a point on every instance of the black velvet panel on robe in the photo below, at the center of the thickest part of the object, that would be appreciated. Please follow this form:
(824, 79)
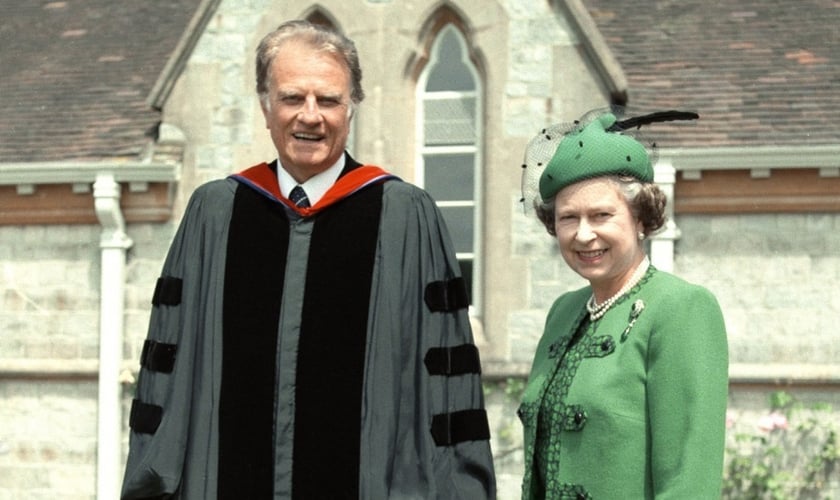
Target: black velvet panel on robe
(331, 353)
(332, 348)
(256, 256)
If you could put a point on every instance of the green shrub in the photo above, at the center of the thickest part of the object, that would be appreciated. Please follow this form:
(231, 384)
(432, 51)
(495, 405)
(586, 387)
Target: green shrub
(791, 452)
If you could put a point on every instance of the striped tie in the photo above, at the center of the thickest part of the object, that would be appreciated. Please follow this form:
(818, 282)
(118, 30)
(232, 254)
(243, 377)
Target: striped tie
(299, 198)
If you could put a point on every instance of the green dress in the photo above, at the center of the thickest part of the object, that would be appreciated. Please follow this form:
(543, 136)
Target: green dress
(633, 404)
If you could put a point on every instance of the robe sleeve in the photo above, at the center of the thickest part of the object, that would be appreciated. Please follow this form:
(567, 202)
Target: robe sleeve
(687, 397)
(183, 309)
(440, 442)
(459, 427)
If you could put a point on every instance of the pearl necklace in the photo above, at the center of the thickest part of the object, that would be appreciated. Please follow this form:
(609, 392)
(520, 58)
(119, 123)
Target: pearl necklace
(598, 310)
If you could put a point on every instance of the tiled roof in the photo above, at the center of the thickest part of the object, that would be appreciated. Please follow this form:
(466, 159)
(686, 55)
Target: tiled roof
(759, 72)
(76, 75)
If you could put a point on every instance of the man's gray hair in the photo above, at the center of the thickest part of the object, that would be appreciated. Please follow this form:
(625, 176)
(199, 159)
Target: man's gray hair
(317, 36)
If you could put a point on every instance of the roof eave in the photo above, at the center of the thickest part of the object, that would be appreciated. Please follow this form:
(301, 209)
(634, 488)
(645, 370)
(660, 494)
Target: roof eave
(84, 172)
(597, 48)
(181, 55)
(823, 157)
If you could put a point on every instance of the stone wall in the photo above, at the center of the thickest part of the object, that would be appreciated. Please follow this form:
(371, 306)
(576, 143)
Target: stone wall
(776, 278)
(50, 299)
(49, 346)
(48, 439)
(48, 325)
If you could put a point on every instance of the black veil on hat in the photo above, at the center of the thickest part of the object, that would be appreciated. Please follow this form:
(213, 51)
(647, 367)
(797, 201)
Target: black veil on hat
(597, 144)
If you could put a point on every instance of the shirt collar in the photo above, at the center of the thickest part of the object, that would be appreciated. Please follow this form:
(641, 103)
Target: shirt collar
(315, 186)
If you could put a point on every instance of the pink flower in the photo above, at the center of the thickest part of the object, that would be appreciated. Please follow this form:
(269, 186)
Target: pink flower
(772, 422)
(730, 419)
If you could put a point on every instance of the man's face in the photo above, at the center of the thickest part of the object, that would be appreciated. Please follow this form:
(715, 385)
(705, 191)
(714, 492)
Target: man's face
(308, 108)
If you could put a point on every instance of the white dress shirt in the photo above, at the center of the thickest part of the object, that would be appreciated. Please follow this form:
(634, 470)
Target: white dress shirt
(316, 186)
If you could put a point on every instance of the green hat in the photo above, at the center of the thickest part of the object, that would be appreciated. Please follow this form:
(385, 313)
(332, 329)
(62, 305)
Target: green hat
(594, 151)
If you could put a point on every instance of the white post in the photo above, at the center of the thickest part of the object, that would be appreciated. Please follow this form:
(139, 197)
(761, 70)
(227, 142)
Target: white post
(662, 243)
(113, 244)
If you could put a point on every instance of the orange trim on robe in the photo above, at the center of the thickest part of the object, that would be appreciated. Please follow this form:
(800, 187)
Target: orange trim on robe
(262, 178)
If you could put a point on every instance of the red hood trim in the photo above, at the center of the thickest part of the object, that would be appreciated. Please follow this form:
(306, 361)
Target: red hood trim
(261, 178)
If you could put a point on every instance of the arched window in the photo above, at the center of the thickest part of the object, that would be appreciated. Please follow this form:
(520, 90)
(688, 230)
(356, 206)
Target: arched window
(449, 98)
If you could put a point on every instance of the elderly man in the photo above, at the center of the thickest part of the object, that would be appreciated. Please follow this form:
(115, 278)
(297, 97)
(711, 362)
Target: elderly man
(309, 336)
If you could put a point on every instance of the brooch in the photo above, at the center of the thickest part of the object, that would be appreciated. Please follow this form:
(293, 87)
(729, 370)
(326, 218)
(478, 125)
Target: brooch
(635, 311)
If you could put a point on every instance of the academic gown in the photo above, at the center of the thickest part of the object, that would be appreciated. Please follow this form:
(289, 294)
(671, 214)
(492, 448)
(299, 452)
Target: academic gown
(315, 353)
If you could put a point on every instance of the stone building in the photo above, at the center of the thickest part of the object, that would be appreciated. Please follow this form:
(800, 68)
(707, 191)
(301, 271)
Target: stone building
(113, 112)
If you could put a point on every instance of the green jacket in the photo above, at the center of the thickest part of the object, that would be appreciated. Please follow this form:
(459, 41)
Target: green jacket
(637, 405)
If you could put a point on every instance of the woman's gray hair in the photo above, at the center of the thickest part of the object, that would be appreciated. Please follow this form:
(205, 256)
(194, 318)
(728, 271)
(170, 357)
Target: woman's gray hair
(317, 36)
(647, 204)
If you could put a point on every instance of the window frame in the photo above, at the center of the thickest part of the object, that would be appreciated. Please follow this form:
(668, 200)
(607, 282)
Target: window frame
(476, 148)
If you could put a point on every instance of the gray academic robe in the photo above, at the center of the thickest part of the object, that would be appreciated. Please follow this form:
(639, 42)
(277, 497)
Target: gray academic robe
(316, 353)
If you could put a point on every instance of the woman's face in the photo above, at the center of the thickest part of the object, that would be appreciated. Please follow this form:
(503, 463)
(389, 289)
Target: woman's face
(598, 234)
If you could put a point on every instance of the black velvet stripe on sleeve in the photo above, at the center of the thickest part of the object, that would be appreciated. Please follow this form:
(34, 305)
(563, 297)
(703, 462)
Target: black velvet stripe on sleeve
(331, 355)
(255, 267)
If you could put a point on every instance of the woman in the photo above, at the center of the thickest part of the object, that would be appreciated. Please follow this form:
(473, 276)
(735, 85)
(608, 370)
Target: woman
(627, 392)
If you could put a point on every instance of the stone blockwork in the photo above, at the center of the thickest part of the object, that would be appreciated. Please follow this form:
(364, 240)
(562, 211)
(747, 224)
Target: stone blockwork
(49, 280)
(776, 279)
(48, 439)
(49, 346)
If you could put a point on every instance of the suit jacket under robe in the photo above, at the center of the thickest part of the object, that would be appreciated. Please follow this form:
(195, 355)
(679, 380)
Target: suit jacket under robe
(285, 353)
(643, 415)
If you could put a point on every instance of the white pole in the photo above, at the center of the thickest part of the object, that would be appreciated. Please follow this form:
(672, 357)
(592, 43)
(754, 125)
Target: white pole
(662, 243)
(113, 245)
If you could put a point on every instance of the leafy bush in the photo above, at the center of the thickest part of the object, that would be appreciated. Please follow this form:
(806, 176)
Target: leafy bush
(792, 452)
